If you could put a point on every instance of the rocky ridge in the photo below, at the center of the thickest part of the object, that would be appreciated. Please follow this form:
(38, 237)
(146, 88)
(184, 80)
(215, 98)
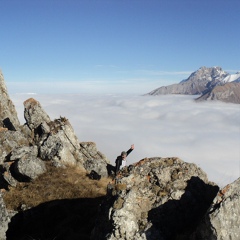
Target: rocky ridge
(155, 198)
(206, 82)
(229, 92)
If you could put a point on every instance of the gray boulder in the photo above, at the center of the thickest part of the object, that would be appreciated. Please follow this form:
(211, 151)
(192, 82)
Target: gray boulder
(27, 166)
(222, 219)
(10, 140)
(157, 198)
(97, 165)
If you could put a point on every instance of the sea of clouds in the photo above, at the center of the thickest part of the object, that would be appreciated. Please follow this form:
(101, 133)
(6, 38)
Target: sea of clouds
(206, 133)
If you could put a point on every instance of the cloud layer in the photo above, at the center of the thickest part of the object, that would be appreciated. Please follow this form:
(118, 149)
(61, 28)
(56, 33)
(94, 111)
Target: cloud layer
(207, 134)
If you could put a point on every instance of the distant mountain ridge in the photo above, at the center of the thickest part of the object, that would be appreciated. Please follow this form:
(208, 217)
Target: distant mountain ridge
(203, 82)
(229, 92)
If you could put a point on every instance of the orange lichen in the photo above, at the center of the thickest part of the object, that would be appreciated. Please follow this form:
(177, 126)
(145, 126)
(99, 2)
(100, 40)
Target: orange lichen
(2, 129)
(30, 102)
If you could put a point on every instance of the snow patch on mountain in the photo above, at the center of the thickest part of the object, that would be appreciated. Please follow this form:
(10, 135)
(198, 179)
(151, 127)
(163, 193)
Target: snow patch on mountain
(232, 78)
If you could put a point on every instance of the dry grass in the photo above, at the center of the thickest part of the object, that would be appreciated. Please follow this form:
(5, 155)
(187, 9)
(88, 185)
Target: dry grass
(56, 183)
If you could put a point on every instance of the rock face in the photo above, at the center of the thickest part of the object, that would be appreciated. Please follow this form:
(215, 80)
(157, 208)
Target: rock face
(4, 218)
(229, 92)
(222, 220)
(8, 114)
(158, 198)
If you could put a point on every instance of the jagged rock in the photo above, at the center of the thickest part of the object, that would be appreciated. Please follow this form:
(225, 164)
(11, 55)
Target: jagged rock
(157, 198)
(4, 219)
(8, 114)
(222, 219)
(7, 176)
(97, 165)
(34, 114)
(89, 151)
(229, 92)
(50, 148)
(22, 152)
(27, 166)
(60, 144)
(56, 139)
(10, 140)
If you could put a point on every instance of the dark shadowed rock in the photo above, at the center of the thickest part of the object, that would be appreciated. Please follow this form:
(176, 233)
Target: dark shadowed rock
(68, 219)
(8, 114)
(157, 198)
(222, 220)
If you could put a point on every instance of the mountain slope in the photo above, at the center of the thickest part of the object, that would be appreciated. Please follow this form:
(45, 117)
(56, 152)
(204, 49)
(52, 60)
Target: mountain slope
(229, 92)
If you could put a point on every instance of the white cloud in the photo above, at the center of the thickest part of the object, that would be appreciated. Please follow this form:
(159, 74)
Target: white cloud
(207, 134)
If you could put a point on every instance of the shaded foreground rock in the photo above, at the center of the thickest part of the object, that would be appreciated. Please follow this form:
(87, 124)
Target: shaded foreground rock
(222, 220)
(4, 218)
(157, 198)
(69, 219)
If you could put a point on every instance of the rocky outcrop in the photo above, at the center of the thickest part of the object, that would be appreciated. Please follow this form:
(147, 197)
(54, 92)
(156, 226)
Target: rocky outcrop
(157, 198)
(222, 219)
(24, 148)
(8, 114)
(229, 92)
(198, 82)
(41, 139)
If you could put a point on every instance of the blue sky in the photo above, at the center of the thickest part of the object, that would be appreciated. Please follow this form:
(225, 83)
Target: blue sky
(126, 44)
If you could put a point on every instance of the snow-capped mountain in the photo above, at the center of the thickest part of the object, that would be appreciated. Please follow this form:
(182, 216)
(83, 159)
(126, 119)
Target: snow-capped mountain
(200, 82)
(197, 83)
